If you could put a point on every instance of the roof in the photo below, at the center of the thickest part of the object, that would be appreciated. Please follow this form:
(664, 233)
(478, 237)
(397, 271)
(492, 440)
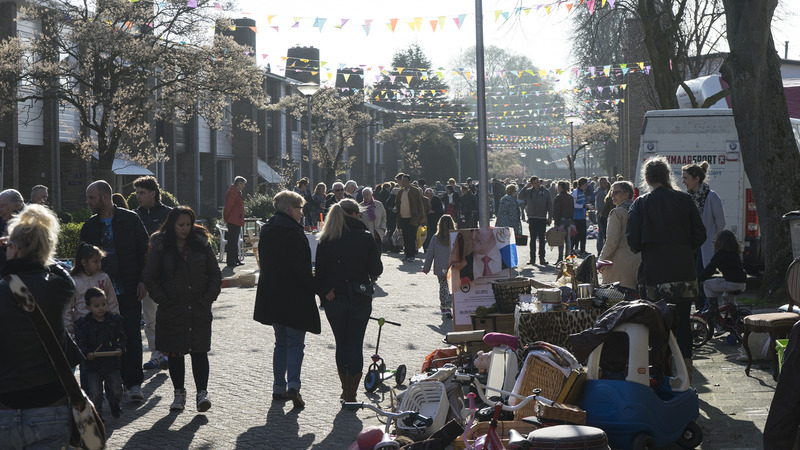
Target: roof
(123, 167)
(267, 173)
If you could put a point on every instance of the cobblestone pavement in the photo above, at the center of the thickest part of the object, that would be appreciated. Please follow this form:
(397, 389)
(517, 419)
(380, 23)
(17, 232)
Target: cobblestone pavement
(733, 407)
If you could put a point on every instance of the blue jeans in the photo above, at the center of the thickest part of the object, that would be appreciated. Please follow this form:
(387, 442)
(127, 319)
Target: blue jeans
(35, 428)
(348, 320)
(287, 358)
(112, 378)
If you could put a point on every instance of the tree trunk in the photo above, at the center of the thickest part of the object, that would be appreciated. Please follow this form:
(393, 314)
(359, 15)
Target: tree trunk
(657, 25)
(769, 151)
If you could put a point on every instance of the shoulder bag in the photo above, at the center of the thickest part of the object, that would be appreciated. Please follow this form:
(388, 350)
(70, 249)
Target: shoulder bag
(88, 431)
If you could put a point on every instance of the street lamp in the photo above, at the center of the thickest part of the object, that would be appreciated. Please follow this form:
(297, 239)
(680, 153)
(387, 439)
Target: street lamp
(308, 89)
(572, 118)
(459, 136)
(524, 168)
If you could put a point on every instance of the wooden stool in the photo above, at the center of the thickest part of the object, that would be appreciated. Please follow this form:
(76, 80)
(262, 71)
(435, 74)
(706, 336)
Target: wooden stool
(777, 324)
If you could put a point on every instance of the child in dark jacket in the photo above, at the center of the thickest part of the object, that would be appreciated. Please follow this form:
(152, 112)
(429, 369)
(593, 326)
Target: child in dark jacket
(101, 331)
(727, 260)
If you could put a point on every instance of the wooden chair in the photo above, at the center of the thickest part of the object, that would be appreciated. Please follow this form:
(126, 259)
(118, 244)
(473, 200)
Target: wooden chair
(777, 324)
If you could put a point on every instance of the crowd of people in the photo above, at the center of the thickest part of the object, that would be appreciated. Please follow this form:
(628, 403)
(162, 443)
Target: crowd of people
(156, 265)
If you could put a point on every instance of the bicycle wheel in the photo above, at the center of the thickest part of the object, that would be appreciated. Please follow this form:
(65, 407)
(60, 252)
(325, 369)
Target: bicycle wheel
(372, 380)
(738, 323)
(701, 332)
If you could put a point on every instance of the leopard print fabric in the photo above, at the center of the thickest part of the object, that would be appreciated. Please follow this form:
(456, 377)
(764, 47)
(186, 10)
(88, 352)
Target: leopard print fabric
(553, 327)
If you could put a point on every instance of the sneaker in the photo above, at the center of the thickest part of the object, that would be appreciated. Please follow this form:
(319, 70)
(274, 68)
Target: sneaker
(135, 393)
(115, 411)
(282, 397)
(163, 363)
(296, 398)
(180, 400)
(153, 364)
(203, 403)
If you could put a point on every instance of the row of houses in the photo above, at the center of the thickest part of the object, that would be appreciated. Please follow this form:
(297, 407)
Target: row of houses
(36, 145)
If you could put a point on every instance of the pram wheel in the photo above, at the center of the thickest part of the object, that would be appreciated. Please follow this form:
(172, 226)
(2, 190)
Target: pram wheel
(692, 436)
(643, 442)
(372, 380)
(400, 374)
(701, 332)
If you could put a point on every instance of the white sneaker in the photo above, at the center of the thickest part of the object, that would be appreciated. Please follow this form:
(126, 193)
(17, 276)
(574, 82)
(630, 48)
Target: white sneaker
(180, 400)
(135, 393)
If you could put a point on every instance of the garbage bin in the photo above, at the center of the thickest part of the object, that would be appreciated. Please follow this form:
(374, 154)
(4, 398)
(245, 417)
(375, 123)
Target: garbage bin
(793, 218)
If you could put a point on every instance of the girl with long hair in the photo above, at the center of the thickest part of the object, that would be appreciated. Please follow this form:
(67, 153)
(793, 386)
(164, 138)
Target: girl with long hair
(183, 278)
(438, 255)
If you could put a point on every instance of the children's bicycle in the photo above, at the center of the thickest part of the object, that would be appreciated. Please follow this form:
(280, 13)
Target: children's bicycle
(491, 440)
(730, 318)
(409, 418)
(377, 372)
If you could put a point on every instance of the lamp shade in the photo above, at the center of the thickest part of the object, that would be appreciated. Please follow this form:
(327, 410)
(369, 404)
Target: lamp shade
(458, 136)
(308, 89)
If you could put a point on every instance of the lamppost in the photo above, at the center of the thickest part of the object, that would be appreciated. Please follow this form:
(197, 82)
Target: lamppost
(459, 136)
(524, 172)
(308, 89)
(572, 119)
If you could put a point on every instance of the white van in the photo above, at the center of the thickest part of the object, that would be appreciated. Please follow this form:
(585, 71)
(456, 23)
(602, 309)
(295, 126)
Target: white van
(686, 136)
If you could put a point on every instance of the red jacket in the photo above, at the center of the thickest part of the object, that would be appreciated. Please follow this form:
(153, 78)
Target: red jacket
(234, 207)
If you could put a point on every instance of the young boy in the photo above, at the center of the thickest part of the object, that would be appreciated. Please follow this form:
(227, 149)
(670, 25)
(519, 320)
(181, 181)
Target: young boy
(101, 331)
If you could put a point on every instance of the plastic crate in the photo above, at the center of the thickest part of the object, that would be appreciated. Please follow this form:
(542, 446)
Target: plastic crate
(429, 398)
(780, 348)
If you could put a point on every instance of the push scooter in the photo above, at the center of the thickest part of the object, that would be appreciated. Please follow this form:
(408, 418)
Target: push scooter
(377, 372)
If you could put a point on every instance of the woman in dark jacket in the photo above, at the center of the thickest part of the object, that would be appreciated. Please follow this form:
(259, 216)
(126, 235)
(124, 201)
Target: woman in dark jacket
(34, 411)
(665, 226)
(317, 205)
(183, 278)
(285, 296)
(347, 255)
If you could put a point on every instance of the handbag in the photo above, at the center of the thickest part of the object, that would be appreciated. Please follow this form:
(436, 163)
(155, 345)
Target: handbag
(88, 431)
(359, 289)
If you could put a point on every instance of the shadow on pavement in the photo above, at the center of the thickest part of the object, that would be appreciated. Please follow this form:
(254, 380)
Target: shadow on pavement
(280, 431)
(180, 438)
(346, 426)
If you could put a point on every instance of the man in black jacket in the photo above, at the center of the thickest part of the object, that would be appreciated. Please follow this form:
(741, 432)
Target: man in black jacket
(121, 234)
(153, 213)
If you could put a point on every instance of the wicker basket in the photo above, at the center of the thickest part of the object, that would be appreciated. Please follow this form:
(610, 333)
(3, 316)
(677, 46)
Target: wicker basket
(555, 237)
(560, 411)
(428, 398)
(538, 375)
(507, 292)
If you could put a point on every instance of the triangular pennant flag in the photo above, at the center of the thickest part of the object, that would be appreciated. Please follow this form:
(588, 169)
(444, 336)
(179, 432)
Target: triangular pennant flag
(400, 70)
(441, 22)
(606, 69)
(392, 77)
(641, 65)
(314, 72)
(330, 74)
(191, 4)
(497, 14)
(346, 77)
(547, 9)
(460, 20)
(591, 70)
(296, 25)
(269, 19)
(319, 23)
(367, 25)
(569, 7)
(217, 6)
(264, 56)
(411, 25)
(590, 5)
(433, 25)
(611, 3)
(255, 29)
(603, 4)
(344, 21)
(274, 27)
(418, 23)
(392, 24)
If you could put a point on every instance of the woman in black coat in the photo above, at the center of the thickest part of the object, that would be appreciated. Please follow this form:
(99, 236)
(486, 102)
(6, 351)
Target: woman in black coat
(34, 403)
(183, 278)
(347, 256)
(285, 296)
(666, 228)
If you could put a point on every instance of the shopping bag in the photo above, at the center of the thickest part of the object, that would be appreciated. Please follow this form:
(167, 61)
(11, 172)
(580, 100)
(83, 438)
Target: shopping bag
(422, 234)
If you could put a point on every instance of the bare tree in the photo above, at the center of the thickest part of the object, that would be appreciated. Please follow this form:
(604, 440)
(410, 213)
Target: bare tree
(769, 149)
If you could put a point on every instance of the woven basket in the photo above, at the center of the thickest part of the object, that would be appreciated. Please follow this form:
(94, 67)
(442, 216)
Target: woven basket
(555, 237)
(539, 375)
(560, 411)
(507, 292)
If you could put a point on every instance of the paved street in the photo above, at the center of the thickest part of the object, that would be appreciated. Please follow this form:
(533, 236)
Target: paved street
(734, 407)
